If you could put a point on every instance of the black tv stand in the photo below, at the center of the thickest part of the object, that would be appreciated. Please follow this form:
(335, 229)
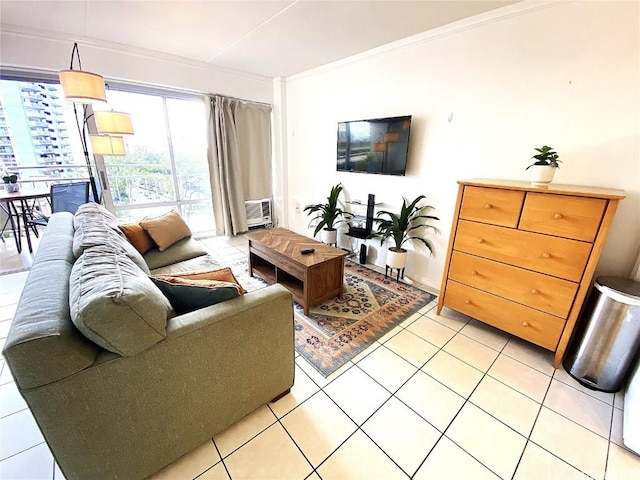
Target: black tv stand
(365, 232)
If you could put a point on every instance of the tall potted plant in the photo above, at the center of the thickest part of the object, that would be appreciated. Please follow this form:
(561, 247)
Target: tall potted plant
(411, 224)
(327, 216)
(544, 168)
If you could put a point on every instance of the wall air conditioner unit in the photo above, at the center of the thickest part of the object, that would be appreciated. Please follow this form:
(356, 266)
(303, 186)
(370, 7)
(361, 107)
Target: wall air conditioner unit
(258, 212)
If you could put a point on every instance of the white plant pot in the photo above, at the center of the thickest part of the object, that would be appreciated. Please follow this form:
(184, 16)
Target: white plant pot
(328, 236)
(541, 175)
(396, 259)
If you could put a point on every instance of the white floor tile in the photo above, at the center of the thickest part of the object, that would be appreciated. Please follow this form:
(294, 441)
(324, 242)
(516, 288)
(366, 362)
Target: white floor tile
(576, 445)
(431, 331)
(190, 465)
(217, 472)
(359, 458)
(616, 427)
(538, 464)
(244, 430)
(387, 368)
(316, 376)
(483, 333)
(357, 394)
(448, 461)
(5, 375)
(455, 374)
(302, 389)
(33, 464)
(412, 348)
(271, 454)
(449, 318)
(562, 376)
(530, 354)
(402, 434)
(318, 427)
(431, 400)
(579, 407)
(10, 400)
(472, 352)
(18, 432)
(488, 440)
(622, 464)
(525, 379)
(506, 404)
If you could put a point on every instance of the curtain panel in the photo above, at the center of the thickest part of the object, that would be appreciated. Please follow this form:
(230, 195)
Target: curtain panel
(239, 155)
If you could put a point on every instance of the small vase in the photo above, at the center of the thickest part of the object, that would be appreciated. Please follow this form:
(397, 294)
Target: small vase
(541, 175)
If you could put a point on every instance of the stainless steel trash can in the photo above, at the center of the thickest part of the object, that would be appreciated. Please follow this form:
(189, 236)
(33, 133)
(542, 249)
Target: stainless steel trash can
(606, 342)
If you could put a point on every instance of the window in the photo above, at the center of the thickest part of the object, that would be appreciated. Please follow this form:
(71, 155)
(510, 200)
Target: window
(166, 162)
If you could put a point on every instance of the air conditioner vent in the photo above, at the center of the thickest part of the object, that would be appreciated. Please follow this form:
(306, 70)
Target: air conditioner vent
(258, 212)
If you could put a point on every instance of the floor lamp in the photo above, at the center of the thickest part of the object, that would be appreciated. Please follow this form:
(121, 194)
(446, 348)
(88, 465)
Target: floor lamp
(85, 88)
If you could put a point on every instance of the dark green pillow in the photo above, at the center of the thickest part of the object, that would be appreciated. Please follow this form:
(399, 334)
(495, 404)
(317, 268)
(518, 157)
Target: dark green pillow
(186, 297)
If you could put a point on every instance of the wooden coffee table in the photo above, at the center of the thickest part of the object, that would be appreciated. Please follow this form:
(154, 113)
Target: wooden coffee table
(275, 256)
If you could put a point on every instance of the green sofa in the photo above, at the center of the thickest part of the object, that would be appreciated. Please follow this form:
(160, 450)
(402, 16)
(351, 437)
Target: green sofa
(126, 415)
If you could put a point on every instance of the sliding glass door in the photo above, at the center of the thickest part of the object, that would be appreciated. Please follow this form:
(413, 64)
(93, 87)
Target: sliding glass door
(165, 165)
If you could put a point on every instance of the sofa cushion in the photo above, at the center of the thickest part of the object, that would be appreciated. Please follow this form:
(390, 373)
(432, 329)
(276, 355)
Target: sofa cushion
(138, 237)
(115, 304)
(94, 229)
(166, 229)
(187, 295)
(185, 249)
(221, 274)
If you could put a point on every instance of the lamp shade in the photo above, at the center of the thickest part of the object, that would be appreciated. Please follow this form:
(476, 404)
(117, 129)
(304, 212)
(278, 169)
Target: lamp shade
(117, 123)
(82, 87)
(379, 147)
(391, 137)
(107, 145)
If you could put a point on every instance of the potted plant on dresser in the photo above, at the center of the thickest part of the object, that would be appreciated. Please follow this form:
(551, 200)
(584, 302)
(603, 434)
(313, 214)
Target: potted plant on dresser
(328, 216)
(544, 168)
(410, 224)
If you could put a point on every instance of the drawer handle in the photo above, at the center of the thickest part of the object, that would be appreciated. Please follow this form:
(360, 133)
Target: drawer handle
(557, 216)
(481, 240)
(534, 291)
(473, 272)
(525, 324)
(488, 205)
(546, 255)
(467, 301)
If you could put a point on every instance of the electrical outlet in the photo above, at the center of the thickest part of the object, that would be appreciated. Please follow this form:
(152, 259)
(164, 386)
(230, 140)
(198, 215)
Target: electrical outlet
(298, 209)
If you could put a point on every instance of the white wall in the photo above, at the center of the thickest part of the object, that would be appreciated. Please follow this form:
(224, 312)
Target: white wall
(118, 62)
(482, 97)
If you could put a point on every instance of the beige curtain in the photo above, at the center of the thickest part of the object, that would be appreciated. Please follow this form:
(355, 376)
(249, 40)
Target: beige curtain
(239, 154)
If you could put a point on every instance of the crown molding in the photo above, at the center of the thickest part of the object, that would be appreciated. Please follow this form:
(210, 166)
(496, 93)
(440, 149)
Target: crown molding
(119, 48)
(514, 10)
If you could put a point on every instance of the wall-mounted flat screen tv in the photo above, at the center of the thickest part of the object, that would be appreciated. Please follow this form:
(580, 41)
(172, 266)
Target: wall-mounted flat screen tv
(379, 145)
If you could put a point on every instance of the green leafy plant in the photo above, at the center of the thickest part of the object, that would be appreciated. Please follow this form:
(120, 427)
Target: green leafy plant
(546, 156)
(410, 224)
(327, 215)
(10, 179)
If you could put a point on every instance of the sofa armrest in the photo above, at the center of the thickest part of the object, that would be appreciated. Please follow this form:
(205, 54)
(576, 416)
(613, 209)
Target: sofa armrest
(260, 302)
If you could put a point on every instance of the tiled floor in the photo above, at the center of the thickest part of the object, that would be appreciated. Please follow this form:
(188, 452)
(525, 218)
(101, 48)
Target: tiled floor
(441, 396)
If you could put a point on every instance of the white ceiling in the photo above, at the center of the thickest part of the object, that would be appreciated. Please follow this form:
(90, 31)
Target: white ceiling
(270, 37)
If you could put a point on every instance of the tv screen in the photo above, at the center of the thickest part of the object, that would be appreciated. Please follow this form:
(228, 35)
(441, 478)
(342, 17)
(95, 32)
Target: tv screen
(377, 146)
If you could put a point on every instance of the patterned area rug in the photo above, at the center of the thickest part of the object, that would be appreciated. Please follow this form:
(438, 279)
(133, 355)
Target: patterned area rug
(337, 330)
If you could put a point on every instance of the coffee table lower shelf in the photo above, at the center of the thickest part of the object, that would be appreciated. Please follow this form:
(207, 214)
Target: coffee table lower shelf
(272, 274)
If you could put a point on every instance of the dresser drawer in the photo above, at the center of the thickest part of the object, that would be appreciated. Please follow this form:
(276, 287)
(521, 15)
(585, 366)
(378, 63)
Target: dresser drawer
(562, 215)
(532, 325)
(555, 256)
(542, 292)
(490, 205)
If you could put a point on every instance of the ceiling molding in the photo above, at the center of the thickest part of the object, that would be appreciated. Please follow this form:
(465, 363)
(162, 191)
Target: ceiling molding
(119, 48)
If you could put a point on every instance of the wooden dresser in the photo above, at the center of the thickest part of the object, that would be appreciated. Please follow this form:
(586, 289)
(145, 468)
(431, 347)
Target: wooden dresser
(522, 258)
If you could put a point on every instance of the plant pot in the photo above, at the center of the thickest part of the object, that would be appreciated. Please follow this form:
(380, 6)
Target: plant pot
(12, 187)
(541, 175)
(329, 237)
(396, 258)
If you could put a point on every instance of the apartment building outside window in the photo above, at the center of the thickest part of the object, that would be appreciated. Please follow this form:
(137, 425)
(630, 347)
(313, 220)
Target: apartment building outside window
(165, 166)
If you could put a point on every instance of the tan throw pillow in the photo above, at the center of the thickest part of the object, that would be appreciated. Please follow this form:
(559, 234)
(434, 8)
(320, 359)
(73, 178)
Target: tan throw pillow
(221, 275)
(137, 236)
(166, 229)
